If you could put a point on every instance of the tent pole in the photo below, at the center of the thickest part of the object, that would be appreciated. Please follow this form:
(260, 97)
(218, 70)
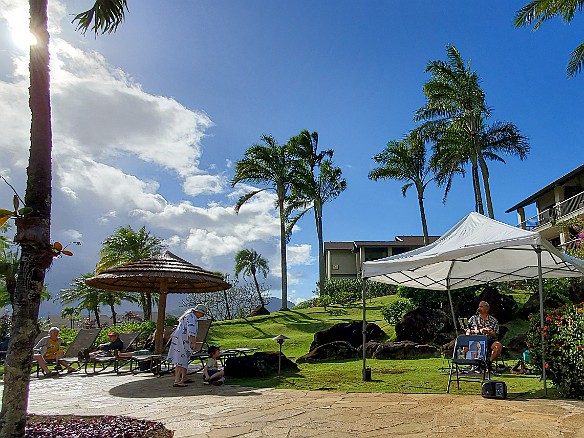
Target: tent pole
(364, 371)
(541, 317)
(452, 310)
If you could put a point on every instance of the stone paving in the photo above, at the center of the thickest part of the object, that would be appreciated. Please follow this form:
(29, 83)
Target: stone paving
(233, 411)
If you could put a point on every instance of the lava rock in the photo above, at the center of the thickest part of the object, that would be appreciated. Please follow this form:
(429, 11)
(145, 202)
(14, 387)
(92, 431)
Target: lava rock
(332, 351)
(260, 364)
(351, 332)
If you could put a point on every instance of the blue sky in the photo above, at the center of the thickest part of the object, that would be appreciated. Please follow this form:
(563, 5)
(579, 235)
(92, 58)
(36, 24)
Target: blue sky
(148, 121)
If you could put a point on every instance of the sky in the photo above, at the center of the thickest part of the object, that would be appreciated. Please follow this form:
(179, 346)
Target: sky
(148, 122)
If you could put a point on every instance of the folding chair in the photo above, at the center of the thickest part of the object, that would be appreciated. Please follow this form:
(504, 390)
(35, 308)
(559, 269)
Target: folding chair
(469, 351)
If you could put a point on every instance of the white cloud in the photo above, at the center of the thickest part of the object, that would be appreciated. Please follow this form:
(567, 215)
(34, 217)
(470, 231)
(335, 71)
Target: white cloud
(195, 185)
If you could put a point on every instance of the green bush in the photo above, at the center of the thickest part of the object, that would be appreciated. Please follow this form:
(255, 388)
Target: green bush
(394, 312)
(345, 291)
(437, 298)
(307, 304)
(563, 332)
(146, 328)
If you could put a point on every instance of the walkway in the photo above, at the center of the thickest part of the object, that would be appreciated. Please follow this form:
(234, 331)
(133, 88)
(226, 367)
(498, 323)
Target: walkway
(228, 411)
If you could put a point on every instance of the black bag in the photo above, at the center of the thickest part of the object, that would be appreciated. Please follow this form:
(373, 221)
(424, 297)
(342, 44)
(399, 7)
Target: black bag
(494, 389)
(145, 365)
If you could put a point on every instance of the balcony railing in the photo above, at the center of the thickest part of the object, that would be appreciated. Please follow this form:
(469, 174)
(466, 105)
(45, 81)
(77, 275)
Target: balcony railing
(564, 247)
(555, 212)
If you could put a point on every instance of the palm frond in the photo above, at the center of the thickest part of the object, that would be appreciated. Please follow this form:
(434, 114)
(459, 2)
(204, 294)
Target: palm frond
(242, 200)
(576, 61)
(104, 17)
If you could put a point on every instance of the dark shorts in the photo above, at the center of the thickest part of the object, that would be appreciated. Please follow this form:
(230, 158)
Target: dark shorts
(211, 372)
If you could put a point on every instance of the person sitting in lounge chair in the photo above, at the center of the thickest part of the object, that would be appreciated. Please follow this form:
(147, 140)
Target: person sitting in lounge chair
(49, 349)
(111, 348)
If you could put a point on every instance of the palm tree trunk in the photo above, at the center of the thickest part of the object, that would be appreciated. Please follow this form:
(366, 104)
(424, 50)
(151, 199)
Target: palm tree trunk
(113, 314)
(486, 185)
(283, 254)
(96, 313)
(33, 234)
(257, 285)
(477, 189)
(148, 310)
(321, 261)
(423, 215)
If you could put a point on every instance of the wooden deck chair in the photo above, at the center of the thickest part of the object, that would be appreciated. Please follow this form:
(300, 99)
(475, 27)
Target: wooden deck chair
(117, 361)
(470, 351)
(144, 360)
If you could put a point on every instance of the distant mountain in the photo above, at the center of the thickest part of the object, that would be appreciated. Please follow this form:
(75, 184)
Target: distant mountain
(276, 304)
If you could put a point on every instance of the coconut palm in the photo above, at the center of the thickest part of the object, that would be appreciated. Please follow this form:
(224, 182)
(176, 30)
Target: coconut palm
(85, 297)
(405, 160)
(538, 11)
(273, 166)
(249, 263)
(127, 245)
(33, 230)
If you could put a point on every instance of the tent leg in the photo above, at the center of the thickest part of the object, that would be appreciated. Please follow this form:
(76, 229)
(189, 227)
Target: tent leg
(366, 376)
(541, 317)
(452, 310)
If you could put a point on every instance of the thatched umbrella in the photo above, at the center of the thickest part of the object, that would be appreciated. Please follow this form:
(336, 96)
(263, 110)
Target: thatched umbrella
(164, 273)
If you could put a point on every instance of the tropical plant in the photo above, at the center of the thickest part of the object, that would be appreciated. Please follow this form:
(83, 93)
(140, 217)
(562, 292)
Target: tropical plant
(405, 160)
(395, 311)
(563, 332)
(72, 313)
(538, 11)
(273, 166)
(127, 245)
(318, 182)
(455, 115)
(249, 263)
(33, 229)
(84, 296)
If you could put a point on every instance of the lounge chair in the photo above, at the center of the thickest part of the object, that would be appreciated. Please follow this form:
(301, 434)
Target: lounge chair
(117, 361)
(84, 340)
(144, 360)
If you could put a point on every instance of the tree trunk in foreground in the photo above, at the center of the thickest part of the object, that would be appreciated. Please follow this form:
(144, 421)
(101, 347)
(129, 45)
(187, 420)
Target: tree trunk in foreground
(33, 234)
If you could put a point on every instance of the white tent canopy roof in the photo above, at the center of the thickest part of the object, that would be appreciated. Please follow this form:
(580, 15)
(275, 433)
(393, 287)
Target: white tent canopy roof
(476, 250)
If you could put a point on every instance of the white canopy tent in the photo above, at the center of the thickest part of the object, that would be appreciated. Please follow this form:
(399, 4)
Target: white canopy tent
(476, 250)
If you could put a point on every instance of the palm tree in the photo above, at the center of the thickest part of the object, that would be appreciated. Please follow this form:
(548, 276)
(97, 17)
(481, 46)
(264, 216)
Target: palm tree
(272, 165)
(453, 151)
(127, 245)
(249, 263)
(454, 95)
(538, 11)
(33, 230)
(85, 297)
(318, 182)
(405, 160)
(72, 313)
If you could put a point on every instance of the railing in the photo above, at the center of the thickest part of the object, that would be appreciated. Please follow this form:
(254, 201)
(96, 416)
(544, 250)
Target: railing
(555, 212)
(564, 247)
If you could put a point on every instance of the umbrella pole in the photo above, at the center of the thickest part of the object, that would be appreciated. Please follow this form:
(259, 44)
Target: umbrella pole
(158, 339)
(364, 373)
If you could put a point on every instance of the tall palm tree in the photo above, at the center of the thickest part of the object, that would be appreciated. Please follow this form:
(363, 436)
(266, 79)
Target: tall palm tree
(453, 151)
(127, 245)
(405, 160)
(249, 263)
(538, 11)
(318, 182)
(33, 230)
(272, 165)
(454, 95)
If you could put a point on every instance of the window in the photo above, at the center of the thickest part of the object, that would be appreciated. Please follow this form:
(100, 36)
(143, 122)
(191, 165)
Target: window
(375, 253)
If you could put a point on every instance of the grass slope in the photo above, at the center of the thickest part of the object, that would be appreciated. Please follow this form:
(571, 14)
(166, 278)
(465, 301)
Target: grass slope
(408, 376)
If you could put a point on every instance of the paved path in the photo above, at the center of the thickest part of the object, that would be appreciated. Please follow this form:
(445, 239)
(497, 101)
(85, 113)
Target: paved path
(229, 411)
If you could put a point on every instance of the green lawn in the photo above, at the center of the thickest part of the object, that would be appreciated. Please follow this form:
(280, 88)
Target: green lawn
(409, 376)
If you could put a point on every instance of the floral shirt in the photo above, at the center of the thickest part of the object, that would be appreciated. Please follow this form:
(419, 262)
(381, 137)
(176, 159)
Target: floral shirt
(476, 322)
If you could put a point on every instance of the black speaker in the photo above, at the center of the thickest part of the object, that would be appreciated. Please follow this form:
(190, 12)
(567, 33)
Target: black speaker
(494, 389)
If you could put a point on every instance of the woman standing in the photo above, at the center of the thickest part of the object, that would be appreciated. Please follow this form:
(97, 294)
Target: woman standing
(183, 342)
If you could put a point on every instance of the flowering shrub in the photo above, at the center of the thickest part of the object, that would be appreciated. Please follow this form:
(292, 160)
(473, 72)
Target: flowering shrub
(575, 228)
(563, 332)
(394, 312)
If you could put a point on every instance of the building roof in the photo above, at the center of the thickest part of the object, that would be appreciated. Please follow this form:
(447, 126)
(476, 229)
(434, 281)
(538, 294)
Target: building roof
(531, 199)
(399, 241)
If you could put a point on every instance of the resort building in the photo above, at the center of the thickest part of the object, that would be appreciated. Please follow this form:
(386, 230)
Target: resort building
(344, 259)
(560, 200)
